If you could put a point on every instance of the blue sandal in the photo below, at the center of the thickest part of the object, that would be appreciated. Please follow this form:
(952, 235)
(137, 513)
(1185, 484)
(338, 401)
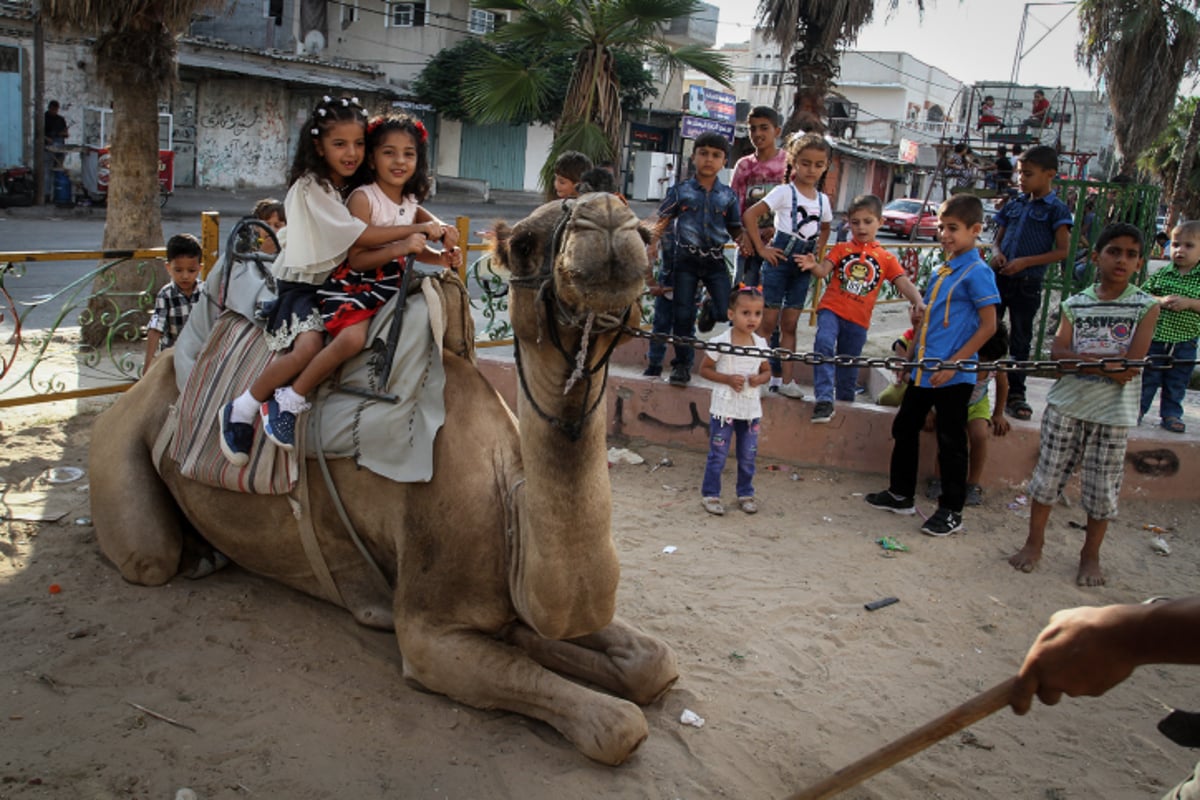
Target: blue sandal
(1173, 424)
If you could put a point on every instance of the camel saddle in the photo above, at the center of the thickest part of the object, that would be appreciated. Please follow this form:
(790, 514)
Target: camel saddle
(223, 348)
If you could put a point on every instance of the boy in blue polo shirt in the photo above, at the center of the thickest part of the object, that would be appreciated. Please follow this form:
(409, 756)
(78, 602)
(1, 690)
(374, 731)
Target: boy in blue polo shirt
(960, 315)
(1034, 231)
(702, 216)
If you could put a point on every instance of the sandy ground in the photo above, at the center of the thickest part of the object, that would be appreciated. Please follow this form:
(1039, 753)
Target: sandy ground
(285, 696)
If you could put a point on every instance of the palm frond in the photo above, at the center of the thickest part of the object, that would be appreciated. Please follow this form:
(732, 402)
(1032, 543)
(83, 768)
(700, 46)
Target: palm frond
(501, 89)
(705, 61)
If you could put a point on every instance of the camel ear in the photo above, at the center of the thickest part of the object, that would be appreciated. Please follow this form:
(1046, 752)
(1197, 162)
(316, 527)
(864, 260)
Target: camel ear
(502, 234)
(645, 230)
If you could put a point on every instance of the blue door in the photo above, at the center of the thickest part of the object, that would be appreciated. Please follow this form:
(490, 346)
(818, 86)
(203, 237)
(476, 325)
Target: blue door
(11, 106)
(494, 153)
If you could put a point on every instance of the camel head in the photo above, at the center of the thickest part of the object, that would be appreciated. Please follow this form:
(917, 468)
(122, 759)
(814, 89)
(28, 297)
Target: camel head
(592, 249)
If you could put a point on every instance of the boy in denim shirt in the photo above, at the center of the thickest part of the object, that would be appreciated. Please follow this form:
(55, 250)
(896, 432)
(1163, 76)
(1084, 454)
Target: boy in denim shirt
(1034, 231)
(700, 215)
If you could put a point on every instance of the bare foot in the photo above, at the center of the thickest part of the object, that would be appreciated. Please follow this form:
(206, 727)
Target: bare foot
(1026, 559)
(1090, 573)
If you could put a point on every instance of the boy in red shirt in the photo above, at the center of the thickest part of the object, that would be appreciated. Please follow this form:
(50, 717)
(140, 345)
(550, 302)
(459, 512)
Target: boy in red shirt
(856, 270)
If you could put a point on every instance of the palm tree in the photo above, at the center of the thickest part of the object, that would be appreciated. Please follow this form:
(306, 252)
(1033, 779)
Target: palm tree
(506, 88)
(134, 46)
(1175, 146)
(811, 32)
(1141, 49)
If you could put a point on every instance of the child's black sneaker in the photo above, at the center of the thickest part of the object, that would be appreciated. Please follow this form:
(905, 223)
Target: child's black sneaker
(236, 437)
(680, 375)
(943, 523)
(652, 370)
(822, 412)
(886, 501)
(974, 495)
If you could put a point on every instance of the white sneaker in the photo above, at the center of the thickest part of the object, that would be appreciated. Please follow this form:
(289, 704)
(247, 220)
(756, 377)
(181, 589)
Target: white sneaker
(792, 389)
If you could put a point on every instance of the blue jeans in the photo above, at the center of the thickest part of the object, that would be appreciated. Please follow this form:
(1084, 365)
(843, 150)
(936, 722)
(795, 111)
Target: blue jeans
(664, 319)
(690, 272)
(1173, 381)
(1021, 296)
(785, 285)
(749, 270)
(720, 435)
(836, 336)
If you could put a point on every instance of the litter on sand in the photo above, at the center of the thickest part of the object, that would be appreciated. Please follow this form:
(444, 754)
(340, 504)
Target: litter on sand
(1159, 545)
(670, 549)
(62, 474)
(689, 717)
(889, 543)
(620, 455)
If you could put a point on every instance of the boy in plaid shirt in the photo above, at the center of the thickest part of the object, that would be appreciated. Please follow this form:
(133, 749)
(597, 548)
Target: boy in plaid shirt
(1177, 287)
(175, 300)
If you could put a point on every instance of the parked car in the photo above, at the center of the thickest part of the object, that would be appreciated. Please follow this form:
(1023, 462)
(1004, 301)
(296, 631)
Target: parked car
(899, 217)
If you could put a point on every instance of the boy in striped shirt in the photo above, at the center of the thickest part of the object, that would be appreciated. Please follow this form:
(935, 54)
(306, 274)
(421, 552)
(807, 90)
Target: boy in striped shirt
(1177, 287)
(1089, 413)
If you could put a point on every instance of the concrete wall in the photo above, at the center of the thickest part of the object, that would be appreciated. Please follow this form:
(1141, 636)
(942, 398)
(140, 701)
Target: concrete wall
(537, 144)
(449, 147)
(242, 134)
(858, 438)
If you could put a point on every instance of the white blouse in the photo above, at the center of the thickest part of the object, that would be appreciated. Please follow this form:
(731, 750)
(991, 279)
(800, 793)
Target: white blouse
(319, 232)
(726, 403)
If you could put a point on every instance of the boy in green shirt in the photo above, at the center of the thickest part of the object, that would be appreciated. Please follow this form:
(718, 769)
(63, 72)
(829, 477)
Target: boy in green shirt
(1177, 287)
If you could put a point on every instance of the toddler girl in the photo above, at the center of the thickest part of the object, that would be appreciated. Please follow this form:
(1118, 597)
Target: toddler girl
(802, 218)
(328, 164)
(736, 407)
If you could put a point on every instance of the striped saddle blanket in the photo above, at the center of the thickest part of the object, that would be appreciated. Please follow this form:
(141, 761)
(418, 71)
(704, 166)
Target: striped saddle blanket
(235, 353)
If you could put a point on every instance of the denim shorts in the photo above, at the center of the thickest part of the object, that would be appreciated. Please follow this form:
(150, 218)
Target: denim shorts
(785, 285)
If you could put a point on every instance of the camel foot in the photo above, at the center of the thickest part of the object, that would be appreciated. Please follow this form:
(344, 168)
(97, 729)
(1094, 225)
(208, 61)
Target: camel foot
(612, 732)
(1090, 573)
(1026, 559)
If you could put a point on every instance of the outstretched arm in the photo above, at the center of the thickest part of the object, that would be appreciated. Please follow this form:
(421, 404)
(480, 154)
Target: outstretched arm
(1087, 651)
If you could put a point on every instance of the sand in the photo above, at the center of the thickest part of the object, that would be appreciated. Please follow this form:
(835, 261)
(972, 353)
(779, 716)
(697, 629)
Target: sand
(285, 696)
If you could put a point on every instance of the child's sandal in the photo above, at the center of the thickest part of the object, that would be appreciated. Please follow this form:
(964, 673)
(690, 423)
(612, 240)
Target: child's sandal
(1174, 425)
(748, 505)
(713, 506)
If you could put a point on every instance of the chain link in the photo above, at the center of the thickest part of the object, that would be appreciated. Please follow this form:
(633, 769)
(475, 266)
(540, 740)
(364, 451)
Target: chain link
(1065, 366)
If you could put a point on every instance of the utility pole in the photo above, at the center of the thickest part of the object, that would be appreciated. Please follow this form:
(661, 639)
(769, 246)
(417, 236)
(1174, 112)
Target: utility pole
(39, 102)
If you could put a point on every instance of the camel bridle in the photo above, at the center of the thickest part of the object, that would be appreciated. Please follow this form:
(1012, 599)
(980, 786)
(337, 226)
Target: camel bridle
(553, 313)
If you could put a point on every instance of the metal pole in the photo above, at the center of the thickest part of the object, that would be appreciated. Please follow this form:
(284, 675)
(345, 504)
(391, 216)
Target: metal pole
(39, 103)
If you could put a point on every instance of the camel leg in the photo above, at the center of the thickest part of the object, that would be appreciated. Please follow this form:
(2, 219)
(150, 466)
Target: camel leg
(481, 671)
(618, 658)
(137, 521)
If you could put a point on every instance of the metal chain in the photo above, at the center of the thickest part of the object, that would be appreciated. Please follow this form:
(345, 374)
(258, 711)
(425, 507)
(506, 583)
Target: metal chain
(1066, 365)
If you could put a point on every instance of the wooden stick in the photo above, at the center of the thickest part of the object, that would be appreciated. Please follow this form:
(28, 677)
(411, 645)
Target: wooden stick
(970, 712)
(163, 717)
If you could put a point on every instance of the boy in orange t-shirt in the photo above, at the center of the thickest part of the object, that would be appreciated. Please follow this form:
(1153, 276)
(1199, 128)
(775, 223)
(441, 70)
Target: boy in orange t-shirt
(856, 270)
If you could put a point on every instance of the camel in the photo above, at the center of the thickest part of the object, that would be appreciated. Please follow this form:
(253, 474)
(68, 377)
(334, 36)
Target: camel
(502, 569)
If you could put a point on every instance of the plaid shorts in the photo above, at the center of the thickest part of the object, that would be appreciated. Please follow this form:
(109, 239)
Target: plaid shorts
(1098, 449)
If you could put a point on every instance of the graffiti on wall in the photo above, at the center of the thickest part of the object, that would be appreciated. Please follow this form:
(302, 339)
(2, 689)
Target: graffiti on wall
(241, 135)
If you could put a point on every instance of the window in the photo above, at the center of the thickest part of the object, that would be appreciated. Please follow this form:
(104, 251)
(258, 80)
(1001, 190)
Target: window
(404, 15)
(482, 22)
(349, 12)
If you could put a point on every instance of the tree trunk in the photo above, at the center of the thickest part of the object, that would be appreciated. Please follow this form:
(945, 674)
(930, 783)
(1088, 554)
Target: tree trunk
(808, 111)
(1185, 168)
(134, 219)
